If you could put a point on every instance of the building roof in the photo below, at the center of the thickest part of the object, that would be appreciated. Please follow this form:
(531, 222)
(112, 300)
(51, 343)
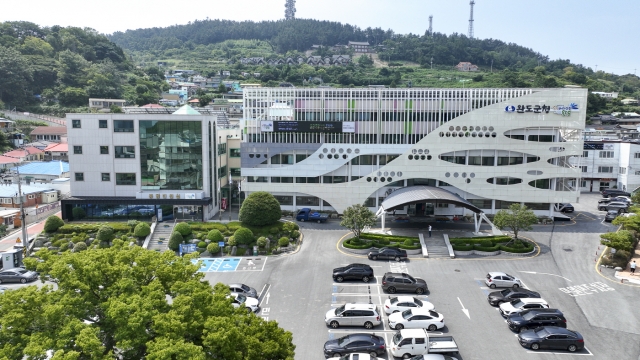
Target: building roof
(8, 160)
(49, 130)
(186, 110)
(10, 190)
(44, 168)
(416, 194)
(57, 147)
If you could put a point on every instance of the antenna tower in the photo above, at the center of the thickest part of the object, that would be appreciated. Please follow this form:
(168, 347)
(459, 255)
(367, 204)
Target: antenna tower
(430, 24)
(290, 10)
(471, 20)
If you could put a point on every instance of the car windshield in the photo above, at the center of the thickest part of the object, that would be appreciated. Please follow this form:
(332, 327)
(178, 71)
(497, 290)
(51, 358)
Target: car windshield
(406, 314)
(241, 298)
(340, 309)
(397, 338)
(517, 303)
(505, 292)
(418, 302)
(528, 316)
(245, 288)
(393, 300)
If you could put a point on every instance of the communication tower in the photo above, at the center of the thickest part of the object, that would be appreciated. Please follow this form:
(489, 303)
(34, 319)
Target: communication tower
(290, 10)
(471, 20)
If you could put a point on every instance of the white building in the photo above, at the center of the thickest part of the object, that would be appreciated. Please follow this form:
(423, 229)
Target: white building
(328, 149)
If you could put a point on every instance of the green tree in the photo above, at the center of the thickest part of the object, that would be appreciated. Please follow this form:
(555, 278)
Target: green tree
(356, 218)
(175, 240)
(215, 236)
(621, 240)
(183, 228)
(142, 230)
(259, 209)
(113, 301)
(52, 224)
(243, 236)
(518, 218)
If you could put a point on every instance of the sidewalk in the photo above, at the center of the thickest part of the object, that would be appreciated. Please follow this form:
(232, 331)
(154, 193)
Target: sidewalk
(33, 229)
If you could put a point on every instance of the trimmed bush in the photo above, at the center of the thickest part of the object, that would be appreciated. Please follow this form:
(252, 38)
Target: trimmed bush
(232, 241)
(260, 208)
(175, 240)
(262, 241)
(215, 236)
(284, 241)
(183, 228)
(202, 244)
(243, 236)
(79, 247)
(142, 230)
(52, 224)
(213, 248)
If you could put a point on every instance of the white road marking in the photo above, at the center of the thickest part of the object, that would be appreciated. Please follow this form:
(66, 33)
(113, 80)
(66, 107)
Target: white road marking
(464, 310)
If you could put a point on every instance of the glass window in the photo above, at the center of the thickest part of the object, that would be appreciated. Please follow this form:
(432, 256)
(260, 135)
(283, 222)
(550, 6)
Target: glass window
(125, 178)
(76, 124)
(79, 176)
(122, 125)
(307, 201)
(123, 152)
(102, 124)
(106, 177)
(104, 150)
(77, 149)
(171, 155)
(234, 152)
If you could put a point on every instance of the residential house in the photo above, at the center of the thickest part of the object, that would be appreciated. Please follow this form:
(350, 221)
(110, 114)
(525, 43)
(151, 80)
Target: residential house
(105, 104)
(28, 153)
(56, 152)
(359, 47)
(49, 133)
(466, 66)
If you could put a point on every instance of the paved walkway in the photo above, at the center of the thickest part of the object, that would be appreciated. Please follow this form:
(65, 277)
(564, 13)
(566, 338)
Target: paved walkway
(33, 229)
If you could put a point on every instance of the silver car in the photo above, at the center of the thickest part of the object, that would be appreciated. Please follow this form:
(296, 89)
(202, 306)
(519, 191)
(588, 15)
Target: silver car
(614, 205)
(17, 275)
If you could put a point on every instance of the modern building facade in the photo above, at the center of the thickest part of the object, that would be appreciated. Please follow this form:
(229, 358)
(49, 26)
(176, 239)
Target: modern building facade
(328, 148)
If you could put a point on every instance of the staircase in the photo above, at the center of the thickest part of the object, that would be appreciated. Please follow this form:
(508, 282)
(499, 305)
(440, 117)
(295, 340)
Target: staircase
(160, 239)
(436, 247)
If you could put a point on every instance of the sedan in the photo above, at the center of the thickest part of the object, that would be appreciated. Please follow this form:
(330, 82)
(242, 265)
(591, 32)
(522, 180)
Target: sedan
(498, 297)
(243, 289)
(388, 253)
(372, 345)
(552, 338)
(611, 215)
(353, 272)
(402, 303)
(240, 300)
(416, 319)
(17, 275)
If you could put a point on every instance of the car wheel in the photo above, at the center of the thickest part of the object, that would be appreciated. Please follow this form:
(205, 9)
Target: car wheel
(397, 258)
(368, 325)
(493, 286)
(24, 281)
(572, 348)
(375, 257)
(432, 327)
(334, 324)
(399, 327)
(365, 279)
(373, 354)
(419, 291)
(336, 355)
(515, 286)
(339, 279)
(406, 356)
(535, 346)
(522, 329)
(391, 290)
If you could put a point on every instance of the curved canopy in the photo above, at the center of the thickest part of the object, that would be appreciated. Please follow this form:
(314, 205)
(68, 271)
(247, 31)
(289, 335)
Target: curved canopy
(424, 194)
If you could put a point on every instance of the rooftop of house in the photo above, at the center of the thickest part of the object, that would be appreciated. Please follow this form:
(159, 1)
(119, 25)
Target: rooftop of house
(44, 168)
(49, 130)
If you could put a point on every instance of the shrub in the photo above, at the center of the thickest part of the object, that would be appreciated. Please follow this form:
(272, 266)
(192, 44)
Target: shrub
(262, 241)
(259, 209)
(213, 248)
(232, 241)
(105, 234)
(142, 230)
(295, 234)
(175, 240)
(215, 236)
(79, 247)
(243, 236)
(183, 228)
(284, 241)
(52, 224)
(78, 213)
(202, 244)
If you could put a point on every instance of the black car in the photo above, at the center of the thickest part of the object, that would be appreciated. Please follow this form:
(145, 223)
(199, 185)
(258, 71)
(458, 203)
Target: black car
(566, 208)
(552, 338)
(355, 343)
(614, 192)
(388, 253)
(497, 297)
(362, 272)
(533, 318)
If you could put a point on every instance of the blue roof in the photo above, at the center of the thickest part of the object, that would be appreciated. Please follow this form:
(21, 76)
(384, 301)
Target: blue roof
(44, 168)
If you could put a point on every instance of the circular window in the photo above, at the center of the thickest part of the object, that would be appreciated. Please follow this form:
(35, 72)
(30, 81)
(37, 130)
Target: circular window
(454, 134)
(455, 175)
(479, 134)
(464, 128)
(429, 157)
(329, 156)
(321, 156)
(414, 151)
(389, 179)
(325, 150)
(490, 128)
(441, 134)
(477, 128)
(457, 128)
(344, 156)
(420, 151)
(348, 151)
(333, 150)
(461, 134)
(357, 151)
(341, 151)
(382, 179)
(422, 157)
(487, 134)
(379, 173)
(493, 134)
(450, 128)
(464, 175)
(468, 181)
(251, 156)
(447, 175)
(410, 157)
(484, 128)
(474, 134)
(393, 173)
(369, 179)
(399, 173)
(472, 175)
(448, 134)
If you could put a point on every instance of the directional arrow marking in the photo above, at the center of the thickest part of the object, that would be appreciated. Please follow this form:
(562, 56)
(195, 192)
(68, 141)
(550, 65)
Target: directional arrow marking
(533, 272)
(464, 310)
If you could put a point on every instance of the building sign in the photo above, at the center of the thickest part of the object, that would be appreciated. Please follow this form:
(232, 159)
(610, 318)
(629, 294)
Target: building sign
(538, 109)
(308, 126)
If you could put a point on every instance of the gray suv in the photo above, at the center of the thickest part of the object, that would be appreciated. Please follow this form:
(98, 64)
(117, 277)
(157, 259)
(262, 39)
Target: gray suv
(392, 282)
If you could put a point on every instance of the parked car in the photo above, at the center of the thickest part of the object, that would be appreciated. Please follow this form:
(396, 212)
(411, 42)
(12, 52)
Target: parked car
(353, 314)
(614, 205)
(17, 275)
(533, 318)
(243, 289)
(402, 303)
(362, 272)
(250, 303)
(566, 208)
(611, 215)
(552, 338)
(519, 305)
(388, 253)
(368, 344)
(416, 319)
(500, 279)
(498, 297)
(614, 192)
(392, 282)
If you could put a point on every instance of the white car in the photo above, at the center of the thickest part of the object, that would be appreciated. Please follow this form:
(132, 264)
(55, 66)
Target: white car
(402, 303)
(500, 279)
(251, 304)
(519, 305)
(416, 319)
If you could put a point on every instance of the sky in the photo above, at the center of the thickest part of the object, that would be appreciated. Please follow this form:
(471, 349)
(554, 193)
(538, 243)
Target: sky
(599, 35)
